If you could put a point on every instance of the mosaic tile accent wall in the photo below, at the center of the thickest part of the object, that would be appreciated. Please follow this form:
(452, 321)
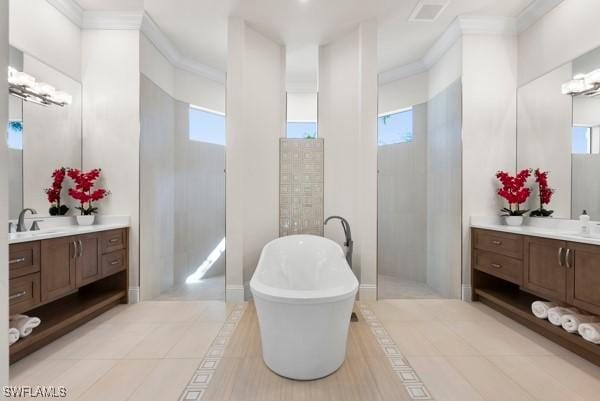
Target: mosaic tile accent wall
(300, 186)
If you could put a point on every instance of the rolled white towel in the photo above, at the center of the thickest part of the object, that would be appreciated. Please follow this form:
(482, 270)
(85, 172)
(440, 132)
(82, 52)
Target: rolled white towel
(13, 335)
(556, 313)
(571, 322)
(24, 324)
(540, 308)
(590, 332)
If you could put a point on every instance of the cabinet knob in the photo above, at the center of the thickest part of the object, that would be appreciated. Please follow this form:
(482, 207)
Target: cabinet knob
(496, 266)
(17, 260)
(496, 242)
(112, 241)
(114, 262)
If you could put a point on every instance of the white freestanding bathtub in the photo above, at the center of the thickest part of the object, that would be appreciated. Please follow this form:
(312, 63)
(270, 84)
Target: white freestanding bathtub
(304, 291)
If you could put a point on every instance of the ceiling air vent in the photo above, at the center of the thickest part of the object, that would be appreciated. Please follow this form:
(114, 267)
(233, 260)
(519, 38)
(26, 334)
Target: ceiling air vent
(428, 10)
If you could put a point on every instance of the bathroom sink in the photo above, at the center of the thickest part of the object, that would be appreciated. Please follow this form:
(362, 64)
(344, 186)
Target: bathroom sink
(33, 234)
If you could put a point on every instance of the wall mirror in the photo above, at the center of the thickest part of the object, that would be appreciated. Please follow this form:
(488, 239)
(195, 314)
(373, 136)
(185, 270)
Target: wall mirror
(42, 135)
(558, 130)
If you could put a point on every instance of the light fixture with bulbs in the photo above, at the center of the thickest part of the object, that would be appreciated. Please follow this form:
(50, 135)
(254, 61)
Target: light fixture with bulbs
(24, 86)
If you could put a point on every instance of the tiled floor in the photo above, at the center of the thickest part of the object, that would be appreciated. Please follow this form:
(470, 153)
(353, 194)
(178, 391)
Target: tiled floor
(390, 287)
(460, 351)
(212, 288)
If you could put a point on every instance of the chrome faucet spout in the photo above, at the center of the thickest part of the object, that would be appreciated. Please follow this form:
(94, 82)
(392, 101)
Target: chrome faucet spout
(349, 243)
(21, 222)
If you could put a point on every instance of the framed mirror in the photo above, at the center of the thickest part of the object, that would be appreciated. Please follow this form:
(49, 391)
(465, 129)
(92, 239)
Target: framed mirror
(41, 137)
(558, 130)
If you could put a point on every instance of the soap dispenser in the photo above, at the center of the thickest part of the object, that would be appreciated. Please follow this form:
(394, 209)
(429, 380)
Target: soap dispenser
(584, 221)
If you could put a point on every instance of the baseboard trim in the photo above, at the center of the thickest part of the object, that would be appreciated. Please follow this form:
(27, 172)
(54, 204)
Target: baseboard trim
(134, 295)
(367, 292)
(234, 294)
(467, 293)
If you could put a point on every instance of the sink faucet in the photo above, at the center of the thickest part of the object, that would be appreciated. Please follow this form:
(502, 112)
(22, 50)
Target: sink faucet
(21, 222)
(349, 244)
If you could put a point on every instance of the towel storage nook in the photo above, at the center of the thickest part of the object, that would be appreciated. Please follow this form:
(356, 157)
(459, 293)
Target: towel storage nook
(510, 271)
(66, 281)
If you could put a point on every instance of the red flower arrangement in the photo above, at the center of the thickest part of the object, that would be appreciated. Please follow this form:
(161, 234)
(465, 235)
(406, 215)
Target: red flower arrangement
(54, 192)
(545, 193)
(514, 191)
(85, 192)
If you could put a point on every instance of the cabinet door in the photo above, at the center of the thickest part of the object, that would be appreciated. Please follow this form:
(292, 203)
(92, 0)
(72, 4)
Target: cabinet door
(58, 267)
(545, 273)
(583, 285)
(88, 265)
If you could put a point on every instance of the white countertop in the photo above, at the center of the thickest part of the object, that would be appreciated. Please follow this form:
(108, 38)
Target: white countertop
(559, 229)
(49, 230)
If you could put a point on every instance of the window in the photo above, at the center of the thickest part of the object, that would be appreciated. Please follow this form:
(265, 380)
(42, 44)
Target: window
(15, 135)
(302, 115)
(585, 140)
(306, 130)
(396, 127)
(206, 126)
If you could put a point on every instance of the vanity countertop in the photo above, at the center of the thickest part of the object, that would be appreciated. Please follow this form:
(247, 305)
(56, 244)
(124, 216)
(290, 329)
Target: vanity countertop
(564, 230)
(103, 224)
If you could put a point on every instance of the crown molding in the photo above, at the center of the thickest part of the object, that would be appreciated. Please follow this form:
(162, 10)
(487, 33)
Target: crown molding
(402, 72)
(534, 12)
(135, 20)
(70, 9)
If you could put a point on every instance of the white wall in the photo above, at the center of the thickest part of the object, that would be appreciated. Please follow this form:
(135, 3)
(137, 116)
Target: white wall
(199, 91)
(403, 93)
(402, 204)
(348, 122)
(156, 67)
(255, 122)
(302, 107)
(566, 32)
(489, 125)
(111, 133)
(3, 195)
(37, 28)
(446, 70)
(157, 190)
(199, 200)
(544, 135)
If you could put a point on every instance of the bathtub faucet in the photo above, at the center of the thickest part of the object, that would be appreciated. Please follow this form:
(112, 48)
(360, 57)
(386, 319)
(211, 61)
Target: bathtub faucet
(349, 244)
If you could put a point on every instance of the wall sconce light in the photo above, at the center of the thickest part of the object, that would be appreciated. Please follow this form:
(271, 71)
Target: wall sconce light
(25, 87)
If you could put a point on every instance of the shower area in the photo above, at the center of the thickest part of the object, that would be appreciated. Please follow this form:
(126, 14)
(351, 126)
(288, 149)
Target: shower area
(182, 198)
(419, 195)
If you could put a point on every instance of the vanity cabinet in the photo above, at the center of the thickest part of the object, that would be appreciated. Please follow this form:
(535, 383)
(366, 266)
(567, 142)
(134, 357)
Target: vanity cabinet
(65, 282)
(583, 277)
(510, 271)
(59, 260)
(545, 270)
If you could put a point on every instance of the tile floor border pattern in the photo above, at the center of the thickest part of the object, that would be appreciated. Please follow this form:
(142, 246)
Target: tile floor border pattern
(200, 380)
(415, 387)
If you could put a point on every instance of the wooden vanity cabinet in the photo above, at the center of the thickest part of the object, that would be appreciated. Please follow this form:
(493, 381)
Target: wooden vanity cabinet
(583, 276)
(552, 270)
(66, 281)
(58, 272)
(545, 271)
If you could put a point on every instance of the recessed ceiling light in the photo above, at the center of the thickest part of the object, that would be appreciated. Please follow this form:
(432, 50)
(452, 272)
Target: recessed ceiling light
(428, 10)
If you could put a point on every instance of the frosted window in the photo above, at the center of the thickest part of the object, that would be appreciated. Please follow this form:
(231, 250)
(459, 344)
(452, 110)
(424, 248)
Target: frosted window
(206, 126)
(395, 128)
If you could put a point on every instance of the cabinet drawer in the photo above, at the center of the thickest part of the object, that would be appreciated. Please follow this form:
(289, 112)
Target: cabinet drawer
(503, 243)
(501, 266)
(24, 259)
(24, 293)
(111, 241)
(114, 262)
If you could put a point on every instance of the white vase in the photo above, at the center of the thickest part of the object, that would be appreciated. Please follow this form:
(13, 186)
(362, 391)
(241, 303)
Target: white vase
(513, 220)
(86, 220)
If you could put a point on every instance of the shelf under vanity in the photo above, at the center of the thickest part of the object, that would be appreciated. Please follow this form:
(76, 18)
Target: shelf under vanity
(512, 267)
(66, 277)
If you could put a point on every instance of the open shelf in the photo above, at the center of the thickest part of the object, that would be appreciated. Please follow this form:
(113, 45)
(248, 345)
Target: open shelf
(516, 304)
(64, 315)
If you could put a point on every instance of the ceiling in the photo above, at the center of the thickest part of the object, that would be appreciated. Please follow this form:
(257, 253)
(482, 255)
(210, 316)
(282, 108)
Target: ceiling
(198, 28)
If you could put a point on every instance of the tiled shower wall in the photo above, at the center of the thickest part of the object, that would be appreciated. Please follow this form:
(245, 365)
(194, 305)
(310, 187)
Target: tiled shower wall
(300, 186)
